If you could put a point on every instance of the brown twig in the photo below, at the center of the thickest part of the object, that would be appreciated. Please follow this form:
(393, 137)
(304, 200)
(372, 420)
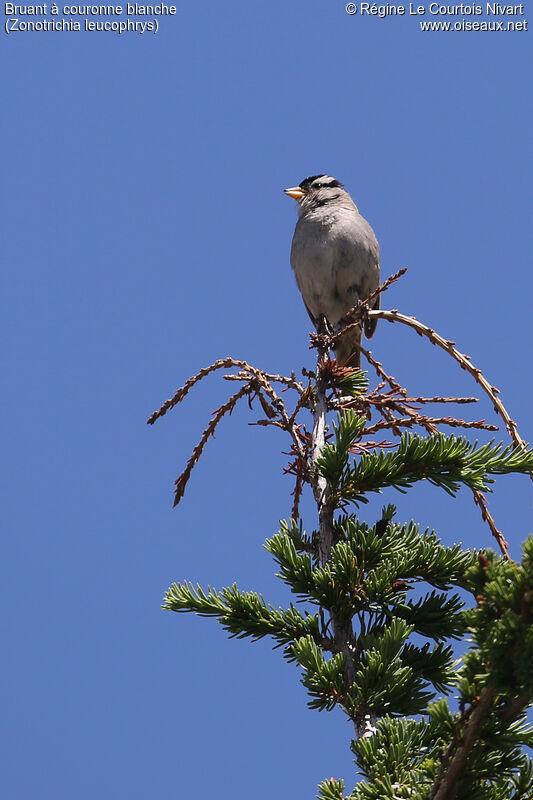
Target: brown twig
(390, 418)
(291, 382)
(503, 544)
(297, 493)
(303, 400)
(222, 363)
(367, 302)
(181, 482)
(180, 393)
(279, 405)
(445, 789)
(423, 330)
(408, 422)
(255, 379)
(443, 399)
(365, 447)
(397, 412)
(393, 383)
(264, 423)
(492, 392)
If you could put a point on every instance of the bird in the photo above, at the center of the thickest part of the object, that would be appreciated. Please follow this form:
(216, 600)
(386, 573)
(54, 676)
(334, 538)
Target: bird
(335, 259)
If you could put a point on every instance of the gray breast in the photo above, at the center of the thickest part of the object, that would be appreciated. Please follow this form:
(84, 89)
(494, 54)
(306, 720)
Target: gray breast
(335, 258)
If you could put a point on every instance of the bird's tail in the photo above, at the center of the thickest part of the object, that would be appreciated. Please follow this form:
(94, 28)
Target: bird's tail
(347, 351)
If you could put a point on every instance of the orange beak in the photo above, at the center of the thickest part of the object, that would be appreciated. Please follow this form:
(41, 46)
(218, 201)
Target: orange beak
(295, 192)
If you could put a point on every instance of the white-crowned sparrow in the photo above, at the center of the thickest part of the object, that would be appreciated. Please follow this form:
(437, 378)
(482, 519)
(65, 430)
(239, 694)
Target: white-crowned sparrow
(335, 258)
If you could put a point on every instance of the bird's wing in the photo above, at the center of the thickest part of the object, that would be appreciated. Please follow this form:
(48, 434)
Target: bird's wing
(357, 267)
(312, 318)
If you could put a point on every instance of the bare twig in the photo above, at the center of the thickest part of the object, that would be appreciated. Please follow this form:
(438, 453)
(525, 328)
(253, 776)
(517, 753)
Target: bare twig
(222, 363)
(423, 330)
(393, 383)
(408, 422)
(365, 447)
(389, 417)
(367, 302)
(303, 400)
(257, 380)
(297, 493)
(443, 399)
(289, 424)
(180, 393)
(492, 392)
(503, 544)
(264, 423)
(181, 482)
(291, 382)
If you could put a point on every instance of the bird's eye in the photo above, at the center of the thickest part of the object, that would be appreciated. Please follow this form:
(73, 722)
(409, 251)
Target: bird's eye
(319, 185)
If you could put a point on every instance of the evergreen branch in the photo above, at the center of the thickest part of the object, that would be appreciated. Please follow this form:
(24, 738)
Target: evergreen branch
(323, 679)
(296, 568)
(358, 651)
(410, 554)
(383, 682)
(353, 382)
(436, 615)
(496, 682)
(244, 614)
(333, 458)
(183, 597)
(318, 482)
(294, 531)
(444, 461)
(435, 666)
(446, 787)
(342, 627)
(366, 571)
(331, 790)
(403, 751)
(500, 626)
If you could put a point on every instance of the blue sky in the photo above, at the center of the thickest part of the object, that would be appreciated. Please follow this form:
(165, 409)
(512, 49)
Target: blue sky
(146, 234)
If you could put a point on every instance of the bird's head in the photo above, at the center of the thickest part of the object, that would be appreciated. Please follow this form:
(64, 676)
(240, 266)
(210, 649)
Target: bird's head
(316, 191)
